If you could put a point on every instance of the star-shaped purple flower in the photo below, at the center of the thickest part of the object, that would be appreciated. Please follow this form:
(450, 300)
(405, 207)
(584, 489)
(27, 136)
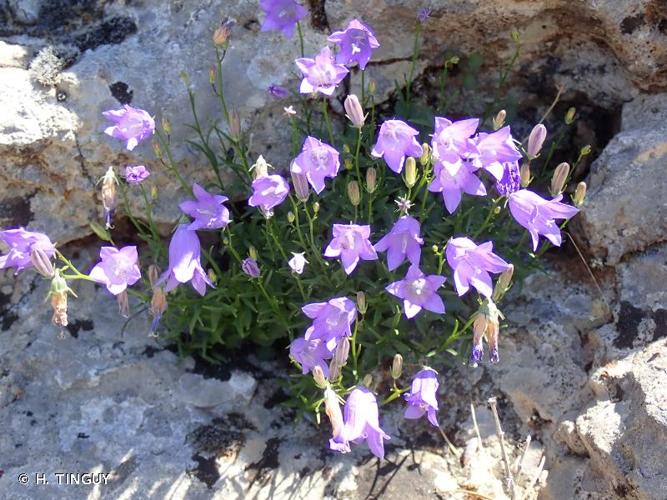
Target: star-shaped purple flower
(356, 43)
(281, 15)
(396, 140)
(207, 209)
(422, 397)
(418, 292)
(452, 140)
(452, 179)
(269, 191)
(362, 423)
(403, 241)
(494, 150)
(332, 320)
(317, 161)
(118, 269)
(136, 175)
(185, 262)
(538, 215)
(132, 125)
(310, 353)
(21, 244)
(351, 243)
(320, 74)
(472, 264)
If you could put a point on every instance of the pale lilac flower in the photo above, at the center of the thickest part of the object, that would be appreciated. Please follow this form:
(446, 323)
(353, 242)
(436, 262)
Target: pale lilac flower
(538, 215)
(402, 242)
(278, 91)
(297, 262)
(356, 43)
(453, 179)
(118, 269)
(452, 140)
(132, 125)
(418, 292)
(511, 179)
(207, 209)
(21, 244)
(185, 262)
(281, 15)
(396, 140)
(136, 175)
(250, 267)
(350, 242)
(424, 14)
(362, 423)
(332, 320)
(321, 74)
(422, 397)
(317, 161)
(472, 264)
(310, 353)
(536, 140)
(494, 150)
(269, 191)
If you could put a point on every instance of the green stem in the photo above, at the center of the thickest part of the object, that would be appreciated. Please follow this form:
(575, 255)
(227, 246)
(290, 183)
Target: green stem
(363, 88)
(170, 165)
(300, 31)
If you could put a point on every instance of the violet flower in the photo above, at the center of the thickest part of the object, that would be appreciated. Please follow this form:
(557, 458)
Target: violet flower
(396, 140)
(281, 15)
(117, 269)
(207, 209)
(310, 353)
(453, 179)
(422, 397)
(277, 91)
(495, 149)
(361, 419)
(132, 125)
(511, 179)
(350, 242)
(136, 175)
(297, 262)
(403, 241)
(418, 292)
(320, 74)
(269, 191)
(185, 262)
(472, 264)
(356, 43)
(423, 14)
(538, 215)
(317, 161)
(21, 244)
(331, 320)
(250, 267)
(452, 140)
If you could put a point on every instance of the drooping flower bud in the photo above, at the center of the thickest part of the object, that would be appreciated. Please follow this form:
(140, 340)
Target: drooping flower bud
(301, 188)
(586, 150)
(559, 178)
(41, 262)
(212, 75)
(524, 174)
(397, 366)
(486, 325)
(579, 194)
(362, 306)
(332, 409)
(425, 158)
(123, 304)
(354, 111)
(291, 217)
(222, 33)
(316, 207)
(503, 283)
(371, 179)
(372, 86)
(250, 267)
(159, 300)
(260, 168)
(499, 119)
(410, 172)
(235, 125)
(319, 378)
(536, 140)
(108, 193)
(58, 293)
(569, 116)
(353, 193)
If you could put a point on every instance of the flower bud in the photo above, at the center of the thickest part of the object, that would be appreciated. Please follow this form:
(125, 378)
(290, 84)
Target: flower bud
(348, 164)
(235, 125)
(559, 178)
(579, 194)
(212, 75)
(157, 150)
(260, 168)
(586, 150)
(339, 358)
(524, 174)
(397, 366)
(301, 188)
(536, 140)
(435, 249)
(316, 207)
(354, 111)
(353, 193)
(58, 293)
(319, 378)
(372, 86)
(291, 217)
(109, 200)
(371, 179)
(425, 158)
(499, 119)
(332, 409)
(252, 251)
(123, 304)
(41, 262)
(185, 78)
(569, 116)
(213, 278)
(503, 283)
(166, 125)
(367, 381)
(158, 300)
(410, 172)
(222, 33)
(486, 325)
(250, 267)
(153, 193)
(362, 306)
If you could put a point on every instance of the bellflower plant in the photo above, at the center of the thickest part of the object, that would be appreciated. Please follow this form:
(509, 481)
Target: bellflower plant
(402, 242)
(206, 209)
(21, 245)
(356, 43)
(117, 269)
(132, 125)
(317, 162)
(418, 292)
(185, 262)
(396, 140)
(269, 191)
(422, 398)
(472, 264)
(320, 74)
(136, 175)
(281, 15)
(351, 243)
